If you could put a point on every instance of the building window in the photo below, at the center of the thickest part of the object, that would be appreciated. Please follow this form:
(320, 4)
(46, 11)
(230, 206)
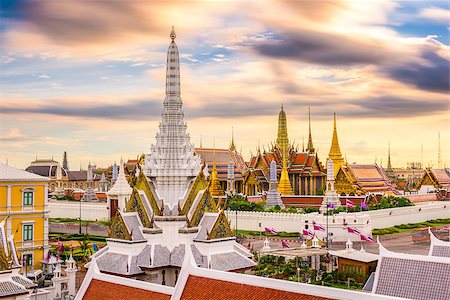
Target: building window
(28, 198)
(27, 232)
(27, 259)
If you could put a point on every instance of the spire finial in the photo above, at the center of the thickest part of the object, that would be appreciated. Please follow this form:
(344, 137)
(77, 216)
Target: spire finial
(281, 106)
(201, 141)
(310, 148)
(173, 35)
(232, 145)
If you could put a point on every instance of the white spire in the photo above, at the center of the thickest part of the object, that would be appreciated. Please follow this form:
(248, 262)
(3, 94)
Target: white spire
(121, 186)
(171, 163)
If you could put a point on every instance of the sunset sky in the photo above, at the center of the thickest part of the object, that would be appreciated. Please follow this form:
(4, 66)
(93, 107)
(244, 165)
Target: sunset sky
(87, 77)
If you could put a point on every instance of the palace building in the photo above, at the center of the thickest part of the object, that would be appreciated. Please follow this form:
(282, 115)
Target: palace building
(299, 172)
(23, 204)
(169, 206)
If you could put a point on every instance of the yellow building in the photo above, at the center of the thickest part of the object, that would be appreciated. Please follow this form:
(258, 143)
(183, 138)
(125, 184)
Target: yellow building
(23, 203)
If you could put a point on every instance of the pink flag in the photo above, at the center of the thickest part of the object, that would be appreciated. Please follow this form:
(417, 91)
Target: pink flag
(284, 244)
(272, 231)
(349, 203)
(318, 227)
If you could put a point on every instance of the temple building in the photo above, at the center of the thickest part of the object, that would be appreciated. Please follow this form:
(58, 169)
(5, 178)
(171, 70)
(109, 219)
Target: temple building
(434, 180)
(359, 179)
(223, 157)
(169, 209)
(299, 172)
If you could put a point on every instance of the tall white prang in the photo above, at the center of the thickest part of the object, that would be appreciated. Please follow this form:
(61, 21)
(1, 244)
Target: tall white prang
(171, 163)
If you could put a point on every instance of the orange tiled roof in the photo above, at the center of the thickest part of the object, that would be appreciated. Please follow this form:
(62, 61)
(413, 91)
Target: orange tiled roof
(99, 289)
(203, 288)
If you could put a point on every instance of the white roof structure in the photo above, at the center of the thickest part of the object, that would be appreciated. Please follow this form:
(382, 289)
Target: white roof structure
(121, 186)
(438, 247)
(8, 173)
(198, 283)
(412, 276)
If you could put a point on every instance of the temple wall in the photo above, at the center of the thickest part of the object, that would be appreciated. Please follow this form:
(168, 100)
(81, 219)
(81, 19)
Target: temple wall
(69, 209)
(412, 214)
(363, 221)
(337, 225)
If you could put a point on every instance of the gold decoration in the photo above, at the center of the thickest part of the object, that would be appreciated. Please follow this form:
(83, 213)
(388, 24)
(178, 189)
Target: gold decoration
(198, 185)
(221, 228)
(119, 229)
(135, 204)
(206, 204)
(335, 151)
(143, 184)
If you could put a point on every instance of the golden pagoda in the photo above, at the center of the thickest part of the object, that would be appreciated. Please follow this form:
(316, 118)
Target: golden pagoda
(215, 188)
(335, 151)
(284, 187)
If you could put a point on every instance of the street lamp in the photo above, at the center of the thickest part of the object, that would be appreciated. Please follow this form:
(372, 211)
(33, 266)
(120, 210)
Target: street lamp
(80, 216)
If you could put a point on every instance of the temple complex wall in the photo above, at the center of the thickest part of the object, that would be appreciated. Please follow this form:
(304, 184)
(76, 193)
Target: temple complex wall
(69, 209)
(363, 221)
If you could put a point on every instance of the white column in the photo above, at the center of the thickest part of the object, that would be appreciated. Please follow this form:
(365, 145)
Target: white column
(71, 273)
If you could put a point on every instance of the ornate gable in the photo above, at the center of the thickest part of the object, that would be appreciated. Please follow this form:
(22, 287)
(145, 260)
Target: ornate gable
(143, 185)
(343, 183)
(428, 179)
(118, 228)
(221, 228)
(135, 204)
(206, 204)
(199, 184)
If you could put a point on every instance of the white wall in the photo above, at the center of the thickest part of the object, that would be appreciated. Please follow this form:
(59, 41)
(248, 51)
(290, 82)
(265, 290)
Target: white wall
(363, 221)
(411, 214)
(90, 211)
(337, 225)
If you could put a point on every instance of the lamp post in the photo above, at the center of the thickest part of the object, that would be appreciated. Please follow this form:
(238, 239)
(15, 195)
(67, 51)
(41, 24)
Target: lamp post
(80, 217)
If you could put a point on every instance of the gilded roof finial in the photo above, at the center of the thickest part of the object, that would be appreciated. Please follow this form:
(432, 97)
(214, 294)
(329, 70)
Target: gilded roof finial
(173, 35)
(216, 189)
(201, 141)
(335, 151)
(232, 145)
(310, 148)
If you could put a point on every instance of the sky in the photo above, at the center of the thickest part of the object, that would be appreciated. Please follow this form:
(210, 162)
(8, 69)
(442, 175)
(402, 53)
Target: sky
(87, 77)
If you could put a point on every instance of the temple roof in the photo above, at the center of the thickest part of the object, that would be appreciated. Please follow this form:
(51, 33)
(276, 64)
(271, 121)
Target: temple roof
(412, 276)
(100, 289)
(223, 157)
(369, 178)
(438, 247)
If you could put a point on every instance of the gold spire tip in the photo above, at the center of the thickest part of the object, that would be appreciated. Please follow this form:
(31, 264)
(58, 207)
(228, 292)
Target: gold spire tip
(173, 35)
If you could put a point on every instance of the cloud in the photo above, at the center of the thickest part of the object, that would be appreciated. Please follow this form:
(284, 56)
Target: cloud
(432, 74)
(436, 14)
(6, 59)
(323, 48)
(393, 107)
(14, 134)
(78, 108)
(44, 76)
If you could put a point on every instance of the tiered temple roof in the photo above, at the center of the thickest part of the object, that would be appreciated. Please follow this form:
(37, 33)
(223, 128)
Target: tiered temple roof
(362, 179)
